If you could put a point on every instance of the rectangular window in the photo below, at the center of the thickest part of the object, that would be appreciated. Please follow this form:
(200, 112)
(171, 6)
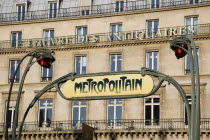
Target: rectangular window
(21, 10)
(116, 32)
(152, 60)
(81, 34)
(155, 3)
(47, 73)
(13, 67)
(193, 1)
(187, 63)
(53, 10)
(79, 113)
(114, 112)
(85, 12)
(49, 37)
(11, 113)
(119, 6)
(45, 112)
(16, 39)
(152, 28)
(185, 111)
(80, 64)
(152, 110)
(192, 25)
(115, 62)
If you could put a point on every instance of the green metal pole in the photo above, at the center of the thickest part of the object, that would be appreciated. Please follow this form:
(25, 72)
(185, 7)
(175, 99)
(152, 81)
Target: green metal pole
(197, 110)
(15, 120)
(192, 74)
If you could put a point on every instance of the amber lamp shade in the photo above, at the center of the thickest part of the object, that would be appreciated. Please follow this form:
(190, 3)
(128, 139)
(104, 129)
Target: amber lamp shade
(45, 62)
(179, 52)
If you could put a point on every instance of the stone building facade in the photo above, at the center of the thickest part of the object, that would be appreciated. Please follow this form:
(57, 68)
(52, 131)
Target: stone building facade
(92, 36)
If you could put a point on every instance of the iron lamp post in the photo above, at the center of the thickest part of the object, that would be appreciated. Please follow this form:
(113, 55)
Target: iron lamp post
(181, 46)
(45, 58)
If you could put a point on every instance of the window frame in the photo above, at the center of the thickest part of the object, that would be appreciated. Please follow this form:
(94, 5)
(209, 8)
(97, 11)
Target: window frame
(47, 40)
(152, 104)
(116, 62)
(45, 123)
(47, 78)
(81, 64)
(54, 11)
(120, 4)
(154, 30)
(147, 64)
(22, 14)
(195, 31)
(17, 79)
(17, 41)
(81, 38)
(190, 103)
(119, 33)
(79, 122)
(155, 4)
(115, 105)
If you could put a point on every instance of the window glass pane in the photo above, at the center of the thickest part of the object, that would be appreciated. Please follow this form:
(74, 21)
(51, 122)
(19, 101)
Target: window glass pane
(83, 113)
(83, 103)
(155, 60)
(49, 115)
(156, 114)
(23, 12)
(110, 112)
(119, 27)
(148, 115)
(42, 102)
(79, 31)
(188, 21)
(78, 62)
(119, 62)
(44, 74)
(119, 112)
(75, 116)
(12, 68)
(111, 101)
(121, 6)
(156, 23)
(156, 100)
(84, 30)
(50, 72)
(114, 29)
(117, 6)
(9, 118)
(84, 61)
(152, 3)
(41, 116)
(148, 100)
(52, 33)
(118, 101)
(76, 103)
(49, 103)
(75, 113)
(112, 62)
(19, 35)
(149, 60)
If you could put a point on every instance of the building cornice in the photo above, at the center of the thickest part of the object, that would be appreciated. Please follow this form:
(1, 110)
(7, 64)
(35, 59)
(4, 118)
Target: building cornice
(102, 45)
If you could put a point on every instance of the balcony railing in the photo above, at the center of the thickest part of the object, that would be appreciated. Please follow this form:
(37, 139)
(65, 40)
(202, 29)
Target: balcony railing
(110, 8)
(140, 124)
(144, 34)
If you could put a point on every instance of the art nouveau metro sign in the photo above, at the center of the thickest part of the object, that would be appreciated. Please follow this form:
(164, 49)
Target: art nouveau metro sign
(109, 85)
